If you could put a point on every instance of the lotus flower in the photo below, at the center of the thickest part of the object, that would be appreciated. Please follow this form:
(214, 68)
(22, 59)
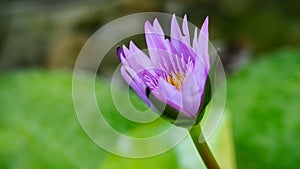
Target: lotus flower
(176, 71)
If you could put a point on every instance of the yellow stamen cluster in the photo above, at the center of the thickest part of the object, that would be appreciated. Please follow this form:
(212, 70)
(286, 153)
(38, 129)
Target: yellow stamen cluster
(176, 79)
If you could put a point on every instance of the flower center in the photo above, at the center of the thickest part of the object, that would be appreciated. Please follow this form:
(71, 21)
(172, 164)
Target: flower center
(174, 73)
(175, 79)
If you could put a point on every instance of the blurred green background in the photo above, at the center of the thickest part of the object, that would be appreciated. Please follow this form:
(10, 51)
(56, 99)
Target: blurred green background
(258, 42)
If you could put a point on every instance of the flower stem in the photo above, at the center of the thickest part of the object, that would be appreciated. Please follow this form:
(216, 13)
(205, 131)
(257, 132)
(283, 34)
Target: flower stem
(203, 149)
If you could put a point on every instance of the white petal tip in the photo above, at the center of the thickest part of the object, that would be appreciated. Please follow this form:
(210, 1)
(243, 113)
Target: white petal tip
(205, 24)
(185, 17)
(148, 26)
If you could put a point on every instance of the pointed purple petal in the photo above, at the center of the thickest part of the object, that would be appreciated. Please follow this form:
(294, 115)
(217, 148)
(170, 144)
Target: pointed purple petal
(158, 46)
(154, 36)
(140, 57)
(195, 40)
(180, 49)
(185, 30)
(180, 46)
(169, 94)
(203, 43)
(175, 30)
(200, 71)
(137, 79)
(131, 81)
(191, 95)
(136, 59)
(157, 28)
(204, 28)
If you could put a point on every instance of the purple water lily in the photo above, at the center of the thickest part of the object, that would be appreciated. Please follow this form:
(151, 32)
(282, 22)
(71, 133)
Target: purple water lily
(177, 69)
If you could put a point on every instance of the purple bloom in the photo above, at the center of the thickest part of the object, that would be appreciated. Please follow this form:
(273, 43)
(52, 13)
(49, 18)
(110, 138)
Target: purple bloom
(176, 71)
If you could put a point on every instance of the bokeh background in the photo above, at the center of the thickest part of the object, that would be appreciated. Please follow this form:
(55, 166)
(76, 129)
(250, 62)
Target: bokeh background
(258, 42)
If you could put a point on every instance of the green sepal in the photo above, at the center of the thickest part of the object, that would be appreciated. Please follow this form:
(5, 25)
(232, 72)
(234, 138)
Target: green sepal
(206, 99)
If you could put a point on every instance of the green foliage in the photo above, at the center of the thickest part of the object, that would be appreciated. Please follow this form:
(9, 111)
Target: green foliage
(39, 127)
(166, 160)
(264, 98)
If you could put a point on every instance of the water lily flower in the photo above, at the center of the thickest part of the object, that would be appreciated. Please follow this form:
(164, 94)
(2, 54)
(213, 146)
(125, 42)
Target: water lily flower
(176, 71)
